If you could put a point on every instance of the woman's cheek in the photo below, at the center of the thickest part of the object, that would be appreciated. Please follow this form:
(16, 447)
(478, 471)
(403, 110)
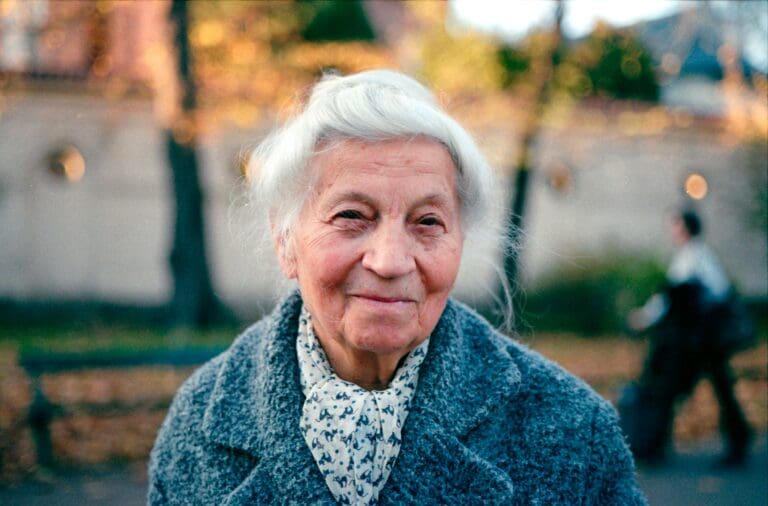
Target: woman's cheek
(444, 258)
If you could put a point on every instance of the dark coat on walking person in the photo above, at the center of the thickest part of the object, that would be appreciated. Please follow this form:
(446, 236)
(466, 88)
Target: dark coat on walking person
(697, 325)
(491, 423)
(689, 343)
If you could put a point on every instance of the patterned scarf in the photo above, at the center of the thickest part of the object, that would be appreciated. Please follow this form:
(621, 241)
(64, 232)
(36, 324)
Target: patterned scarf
(353, 433)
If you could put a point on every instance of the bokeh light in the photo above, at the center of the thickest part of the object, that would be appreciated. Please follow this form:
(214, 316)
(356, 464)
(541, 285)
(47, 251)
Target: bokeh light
(68, 163)
(696, 186)
(560, 177)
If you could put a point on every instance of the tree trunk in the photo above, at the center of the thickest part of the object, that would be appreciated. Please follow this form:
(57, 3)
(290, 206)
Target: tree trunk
(194, 303)
(541, 72)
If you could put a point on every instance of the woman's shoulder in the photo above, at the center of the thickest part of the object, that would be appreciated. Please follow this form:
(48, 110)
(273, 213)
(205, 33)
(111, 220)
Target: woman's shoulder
(195, 394)
(560, 422)
(548, 393)
(544, 376)
(541, 380)
(182, 430)
(196, 389)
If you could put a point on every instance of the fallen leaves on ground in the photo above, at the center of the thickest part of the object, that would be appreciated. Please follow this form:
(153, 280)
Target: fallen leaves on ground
(85, 436)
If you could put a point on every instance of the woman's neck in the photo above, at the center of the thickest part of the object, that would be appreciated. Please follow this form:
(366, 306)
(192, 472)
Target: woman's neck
(368, 370)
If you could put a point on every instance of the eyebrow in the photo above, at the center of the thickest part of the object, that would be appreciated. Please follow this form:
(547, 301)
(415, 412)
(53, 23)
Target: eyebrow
(356, 196)
(353, 196)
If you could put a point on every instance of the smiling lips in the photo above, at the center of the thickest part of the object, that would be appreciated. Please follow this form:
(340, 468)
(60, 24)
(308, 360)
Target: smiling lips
(381, 299)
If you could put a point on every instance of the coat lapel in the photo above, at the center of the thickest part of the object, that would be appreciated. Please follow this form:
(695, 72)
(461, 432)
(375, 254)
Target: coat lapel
(464, 379)
(256, 405)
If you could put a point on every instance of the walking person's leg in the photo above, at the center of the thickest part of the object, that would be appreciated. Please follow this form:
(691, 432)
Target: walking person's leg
(733, 423)
(670, 372)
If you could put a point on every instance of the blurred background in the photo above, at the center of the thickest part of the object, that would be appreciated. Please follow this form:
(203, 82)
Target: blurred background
(128, 253)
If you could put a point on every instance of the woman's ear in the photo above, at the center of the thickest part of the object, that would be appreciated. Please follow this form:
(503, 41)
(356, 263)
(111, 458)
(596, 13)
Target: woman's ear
(284, 252)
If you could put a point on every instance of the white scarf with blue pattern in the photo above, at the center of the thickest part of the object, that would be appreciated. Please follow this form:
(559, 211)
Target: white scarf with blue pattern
(353, 433)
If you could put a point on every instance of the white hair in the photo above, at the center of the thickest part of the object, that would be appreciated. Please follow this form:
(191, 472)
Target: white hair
(370, 106)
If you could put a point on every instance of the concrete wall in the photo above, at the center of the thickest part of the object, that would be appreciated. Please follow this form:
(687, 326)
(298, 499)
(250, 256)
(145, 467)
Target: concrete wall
(107, 236)
(101, 237)
(623, 188)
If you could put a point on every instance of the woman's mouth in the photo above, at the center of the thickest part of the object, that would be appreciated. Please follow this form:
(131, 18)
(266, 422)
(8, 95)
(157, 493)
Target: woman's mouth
(388, 299)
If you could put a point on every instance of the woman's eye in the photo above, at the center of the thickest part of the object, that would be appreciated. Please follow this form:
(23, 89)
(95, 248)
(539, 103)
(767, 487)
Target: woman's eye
(350, 214)
(429, 221)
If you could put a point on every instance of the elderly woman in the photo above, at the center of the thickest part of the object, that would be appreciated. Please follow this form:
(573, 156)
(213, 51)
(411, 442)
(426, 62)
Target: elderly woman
(370, 385)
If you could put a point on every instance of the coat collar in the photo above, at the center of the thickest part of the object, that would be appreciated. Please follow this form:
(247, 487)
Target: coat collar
(256, 403)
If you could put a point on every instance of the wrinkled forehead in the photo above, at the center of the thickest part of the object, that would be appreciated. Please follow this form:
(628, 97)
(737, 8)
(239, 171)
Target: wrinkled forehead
(344, 153)
(397, 157)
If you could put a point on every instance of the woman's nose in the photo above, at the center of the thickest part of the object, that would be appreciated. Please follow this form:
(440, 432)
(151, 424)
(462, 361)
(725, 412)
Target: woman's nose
(389, 252)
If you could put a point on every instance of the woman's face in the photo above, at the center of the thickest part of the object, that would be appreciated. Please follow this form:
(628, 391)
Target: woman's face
(377, 247)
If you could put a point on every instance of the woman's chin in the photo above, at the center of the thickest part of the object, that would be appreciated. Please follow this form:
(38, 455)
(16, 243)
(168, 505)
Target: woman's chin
(384, 339)
(381, 328)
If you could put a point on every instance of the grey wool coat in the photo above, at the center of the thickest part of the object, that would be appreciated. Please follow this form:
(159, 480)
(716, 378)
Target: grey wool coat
(491, 422)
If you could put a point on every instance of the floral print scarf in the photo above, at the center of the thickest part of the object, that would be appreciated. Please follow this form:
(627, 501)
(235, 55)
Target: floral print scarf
(353, 433)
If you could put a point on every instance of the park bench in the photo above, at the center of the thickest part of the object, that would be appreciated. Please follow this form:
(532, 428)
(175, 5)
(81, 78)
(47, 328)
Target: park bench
(42, 411)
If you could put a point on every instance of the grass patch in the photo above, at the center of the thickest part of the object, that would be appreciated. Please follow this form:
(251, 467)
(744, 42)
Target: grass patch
(592, 297)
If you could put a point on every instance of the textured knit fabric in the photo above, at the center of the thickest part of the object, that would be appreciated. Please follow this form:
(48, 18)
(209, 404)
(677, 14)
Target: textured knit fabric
(491, 422)
(353, 434)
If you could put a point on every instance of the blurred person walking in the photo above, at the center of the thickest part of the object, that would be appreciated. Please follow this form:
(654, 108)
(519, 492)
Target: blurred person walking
(697, 326)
